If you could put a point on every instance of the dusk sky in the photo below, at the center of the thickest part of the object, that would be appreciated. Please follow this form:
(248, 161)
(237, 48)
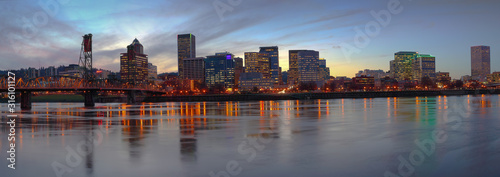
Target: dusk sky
(34, 37)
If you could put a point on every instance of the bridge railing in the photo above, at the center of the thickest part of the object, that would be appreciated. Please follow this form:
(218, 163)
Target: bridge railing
(69, 82)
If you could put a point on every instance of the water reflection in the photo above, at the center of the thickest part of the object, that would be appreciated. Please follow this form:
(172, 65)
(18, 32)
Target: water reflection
(189, 134)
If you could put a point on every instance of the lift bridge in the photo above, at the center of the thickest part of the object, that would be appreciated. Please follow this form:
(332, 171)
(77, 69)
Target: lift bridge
(86, 85)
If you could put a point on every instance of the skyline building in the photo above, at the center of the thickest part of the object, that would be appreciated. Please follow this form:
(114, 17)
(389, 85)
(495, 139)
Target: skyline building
(251, 80)
(134, 64)
(402, 65)
(480, 62)
(194, 69)
(258, 63)
(219, 70)
(152, 71)
(238, 70)
(274, 67)
(308, 66)
(424, 65)
(186, 48)
(324, 71)
(293, 67)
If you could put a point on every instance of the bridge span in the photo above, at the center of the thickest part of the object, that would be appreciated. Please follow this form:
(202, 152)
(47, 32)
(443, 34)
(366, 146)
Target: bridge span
(89, 90)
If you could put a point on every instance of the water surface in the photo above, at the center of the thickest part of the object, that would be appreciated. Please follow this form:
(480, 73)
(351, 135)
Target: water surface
(340, 137)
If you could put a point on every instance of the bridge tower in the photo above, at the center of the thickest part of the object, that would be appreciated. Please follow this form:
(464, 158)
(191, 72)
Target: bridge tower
(85, 64)
(85, 61)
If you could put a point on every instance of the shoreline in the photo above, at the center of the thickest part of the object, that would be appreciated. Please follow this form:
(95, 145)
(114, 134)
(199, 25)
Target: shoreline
(267, 97)
(313, 96)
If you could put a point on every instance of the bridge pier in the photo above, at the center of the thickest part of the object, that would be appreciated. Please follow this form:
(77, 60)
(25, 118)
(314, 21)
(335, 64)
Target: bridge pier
(131, 98)
(25, 100)
(89, 98)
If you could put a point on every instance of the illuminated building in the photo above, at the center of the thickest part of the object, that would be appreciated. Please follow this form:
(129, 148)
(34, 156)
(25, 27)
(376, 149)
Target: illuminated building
(238, 70)
(152, 71)
(257, 63)
(424, 66)
(293, 67)
(494, 78)
(443, 79)
(324, 71)
(194, 69)
(134, 64)
(480, 62)
(219, 70)
(274, 66)
(186, 48)
(249, 81)
(308, 66)
(377, 74)
(402, 66)
(363, 83)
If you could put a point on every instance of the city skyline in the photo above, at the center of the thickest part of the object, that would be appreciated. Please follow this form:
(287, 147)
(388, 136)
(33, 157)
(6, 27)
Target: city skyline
(439, 32)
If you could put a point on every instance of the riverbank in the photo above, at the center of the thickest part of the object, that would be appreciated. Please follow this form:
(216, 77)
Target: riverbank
(264, 97)
(306, 96)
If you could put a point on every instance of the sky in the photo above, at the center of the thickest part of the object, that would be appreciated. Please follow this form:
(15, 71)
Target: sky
(350, 35)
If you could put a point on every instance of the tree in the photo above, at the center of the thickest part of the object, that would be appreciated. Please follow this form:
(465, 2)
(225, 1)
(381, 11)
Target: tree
(308, 86)
(457, 84)
(427, 82)
(330, 86)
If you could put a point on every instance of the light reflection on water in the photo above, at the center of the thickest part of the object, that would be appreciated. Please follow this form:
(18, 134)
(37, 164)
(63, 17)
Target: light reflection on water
(341, 137)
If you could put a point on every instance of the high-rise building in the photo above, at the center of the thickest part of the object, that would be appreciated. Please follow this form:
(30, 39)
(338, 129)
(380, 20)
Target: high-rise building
(134, 64)
(324, 71)
(424, 66)
(194, 69)
(274, 66)
(238, 70)
(219, 70)
(152, 71)
(186, 48)
(257, 63)
(293, 67)
(403, 65)
(308, 66)
(480, 62)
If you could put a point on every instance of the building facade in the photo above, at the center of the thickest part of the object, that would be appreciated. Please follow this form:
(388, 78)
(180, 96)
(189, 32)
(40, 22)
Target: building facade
(249, 81)
(363, 83)
(424, 66)
(324, 71)
(308, 66)
(274, 66)
(133, 64)
(494, 78)
(152, 71)
(402, 66)
(293, 67)
(480, 62)
(186, 48)
(219, 70)
(194, 69)
(258, 63)
(238, 70)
